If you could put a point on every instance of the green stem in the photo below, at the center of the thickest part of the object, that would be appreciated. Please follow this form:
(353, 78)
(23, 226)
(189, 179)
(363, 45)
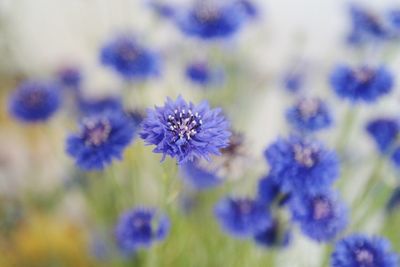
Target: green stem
(344, 135)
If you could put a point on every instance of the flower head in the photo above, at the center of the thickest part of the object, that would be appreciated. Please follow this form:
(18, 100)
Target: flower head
(185, 131)
(384, 132)
(322, 216)
(203, 74)
(34, 101)
(199, 176)
(366, 26)
(242, 217)
(362, 84)
(70, 77)
(302, 164)
(101, 138)
(362, 251)
(273, 236)
(140, 228)
(130, 59)
(213, 19)
(309, 114)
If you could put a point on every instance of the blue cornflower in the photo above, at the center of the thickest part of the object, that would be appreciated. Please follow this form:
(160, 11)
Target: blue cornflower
(130, 59)
(362, 251)
(302, 164)
(273, 236)
(34, 101)
(101, 138)
(185, 131)
(384, 132)
(321, 215)
(268, 190)
(140, 228)
(210, 19)
(362, 84)
(309, 114)
(70, 77)
(242, 217)
(198, 176)
(203, 74)
(100, 105)
(366, 26)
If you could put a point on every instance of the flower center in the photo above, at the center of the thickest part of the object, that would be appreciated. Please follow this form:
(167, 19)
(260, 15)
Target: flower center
(304, 155)
(308, 108)
(207, 13)
(139, 222)
(244, 206)
(322, 209)
(35, 98)
(184, 124)
(128, 51)
(364, 257)
(364, 75)
(96, 132)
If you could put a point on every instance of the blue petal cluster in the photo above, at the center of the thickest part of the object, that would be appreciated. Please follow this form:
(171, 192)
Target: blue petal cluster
(186, 131)
(130, 59)
(273, 236)
(362, 251)
(394, 18)
(70, 77)
(384, 132)
(268, 190)
(203, 74)
(209, 19)
(362, 84)
(34, 101)
(321, 215)
(366, 26)
(100, 105)
(140, 228)
(101, 139)
(198, 177)
(302, 164)
(309, 114)
(242, 217)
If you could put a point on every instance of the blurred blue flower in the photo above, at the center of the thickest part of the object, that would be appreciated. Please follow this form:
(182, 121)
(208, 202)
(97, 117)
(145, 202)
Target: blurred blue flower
(302, 165)
(34, 101)
(362, 251)
(242, 217)
(249, 7)
(185, 131)
(384, 132)
(70, 77)
(362, 84)
(130, 59)
(366, 26)
(268, 190)
(309, 114)
(273, 236)
(209, 19)
(101, 138)
(293, 81)
(198, 177)
(97, 106)
(140, 228)
(321, 215)
(202, 73)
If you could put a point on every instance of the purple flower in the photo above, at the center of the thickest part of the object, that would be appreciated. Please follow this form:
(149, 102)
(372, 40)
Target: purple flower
(384, 131)
(140, 228)
(362, 251)
(242, 217)
(185, 131)
(34, 101)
